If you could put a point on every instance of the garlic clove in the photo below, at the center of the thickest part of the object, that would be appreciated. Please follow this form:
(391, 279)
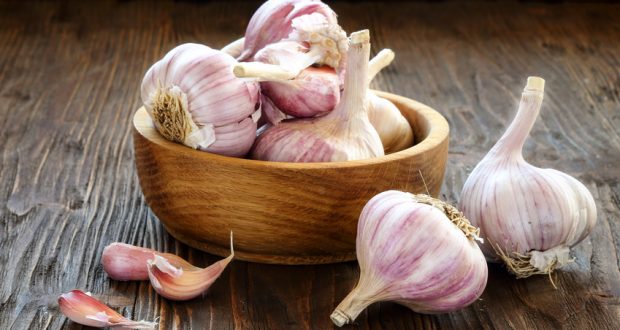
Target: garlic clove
(182, 282)
(529, 216)
(272, 22)
(315, 91)
(394, 130)
(124, 262)
(81, 308)
(192, 92)
(343, 134)
(416, 251)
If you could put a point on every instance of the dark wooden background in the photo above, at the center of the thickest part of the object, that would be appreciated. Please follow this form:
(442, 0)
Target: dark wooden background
(69, 83)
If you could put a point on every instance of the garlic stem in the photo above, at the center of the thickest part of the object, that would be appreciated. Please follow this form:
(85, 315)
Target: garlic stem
(263, 71)
(356, 80)
(531, 101)
(234, 48)
(350, 307)
(380, 61)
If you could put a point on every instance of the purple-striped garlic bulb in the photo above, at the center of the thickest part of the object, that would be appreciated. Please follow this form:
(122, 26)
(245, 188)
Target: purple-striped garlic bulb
(194, 99)
(394, 130)
(416, 251)
(284, 68)
(273, 21)
(343, 134)
(529, 216)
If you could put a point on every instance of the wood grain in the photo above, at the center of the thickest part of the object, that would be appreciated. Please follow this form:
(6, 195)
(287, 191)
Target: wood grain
(284, 213)
(69, 83)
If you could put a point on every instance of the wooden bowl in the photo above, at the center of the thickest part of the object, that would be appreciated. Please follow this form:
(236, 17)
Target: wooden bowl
(284, 213)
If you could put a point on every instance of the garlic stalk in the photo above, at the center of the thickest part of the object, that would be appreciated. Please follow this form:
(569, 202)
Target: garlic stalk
(194, 99)
(417, 251)
(529, 216)
(343, 134)
(81, 308)
(273, 22)
(234, 48)
(394, 130)
(170, 275)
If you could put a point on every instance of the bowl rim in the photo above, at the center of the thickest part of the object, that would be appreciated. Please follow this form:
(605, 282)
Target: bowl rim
(438, 132)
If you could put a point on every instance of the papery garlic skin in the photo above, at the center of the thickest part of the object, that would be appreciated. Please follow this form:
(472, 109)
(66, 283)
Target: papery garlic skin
(529, 216)
(410, 252)
(270, 112)
(343, 134)
(81, 308)
(272, 22)
(194, 99)
(184, 282)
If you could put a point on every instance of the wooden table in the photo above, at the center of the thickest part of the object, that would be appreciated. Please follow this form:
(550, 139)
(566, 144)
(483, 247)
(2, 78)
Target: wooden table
(69, 84)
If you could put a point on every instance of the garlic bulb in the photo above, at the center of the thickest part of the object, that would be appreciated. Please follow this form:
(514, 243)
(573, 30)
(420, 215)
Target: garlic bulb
(343, 134)
(272, 22)
(81, 308)
(394, 130)
(529, 216)
(170, 275)
(193, 98)
(416, 251)
(294, 87)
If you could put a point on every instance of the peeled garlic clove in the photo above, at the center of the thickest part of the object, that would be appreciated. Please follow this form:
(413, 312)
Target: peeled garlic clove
(314, 92)
(183, 282)
(192, 95)
(343, 134)
(529, 216)
(124, 262)
(417, 251)
(394, 130)
(81, 308)
(272, 22)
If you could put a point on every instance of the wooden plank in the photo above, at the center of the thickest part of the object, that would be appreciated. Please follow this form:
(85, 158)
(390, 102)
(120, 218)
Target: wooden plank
(69, 82)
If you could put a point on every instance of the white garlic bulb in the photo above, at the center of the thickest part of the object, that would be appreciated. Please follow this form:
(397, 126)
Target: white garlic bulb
(194, 99)
(343, 134)
(529, 216)
(417, 251)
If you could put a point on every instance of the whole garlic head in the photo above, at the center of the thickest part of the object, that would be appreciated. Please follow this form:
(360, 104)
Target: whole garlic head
(194, 99)
(417, 251)
(529, 216)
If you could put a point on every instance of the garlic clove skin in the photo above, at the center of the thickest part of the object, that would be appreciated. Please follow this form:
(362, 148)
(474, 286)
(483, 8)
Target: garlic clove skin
(81, 308)
(416, 251)
(529, 216)
(183, 282)
(192, 91)
(272, 22)
(125, 262)
(394, 130)
(343, 134)
(314, 92)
